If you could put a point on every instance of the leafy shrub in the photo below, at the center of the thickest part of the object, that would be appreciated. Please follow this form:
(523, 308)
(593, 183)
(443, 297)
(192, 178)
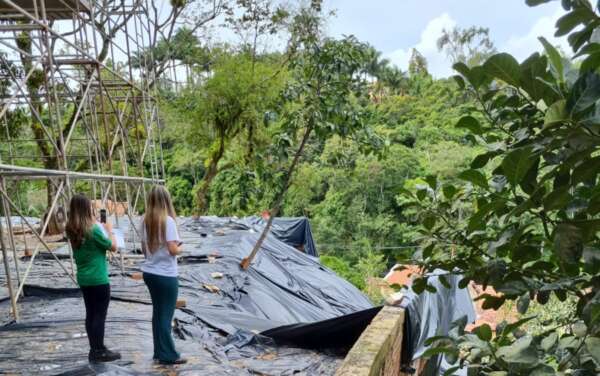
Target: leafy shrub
(526, 220)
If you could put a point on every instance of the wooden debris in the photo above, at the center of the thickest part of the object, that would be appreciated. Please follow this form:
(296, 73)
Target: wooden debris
(212, 288)
(267, 356)
(216, 275)
(180, 303)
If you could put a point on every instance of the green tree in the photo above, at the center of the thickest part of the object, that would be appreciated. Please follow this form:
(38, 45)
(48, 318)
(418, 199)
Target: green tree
(235, 97)
(326, 74)
(417, 65)
(470, 46)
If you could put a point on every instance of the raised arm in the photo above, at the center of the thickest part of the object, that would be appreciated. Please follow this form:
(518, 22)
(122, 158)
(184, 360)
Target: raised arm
(108, 227)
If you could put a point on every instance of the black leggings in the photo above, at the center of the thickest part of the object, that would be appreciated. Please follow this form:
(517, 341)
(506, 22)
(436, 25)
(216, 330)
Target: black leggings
(96, 300)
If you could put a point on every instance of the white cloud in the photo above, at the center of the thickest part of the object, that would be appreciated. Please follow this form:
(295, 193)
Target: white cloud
(523, 46)
(520, 46)
(439, 65)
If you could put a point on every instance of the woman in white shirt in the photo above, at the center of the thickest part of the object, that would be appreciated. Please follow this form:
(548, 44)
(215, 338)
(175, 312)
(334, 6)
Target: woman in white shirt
(160, 244)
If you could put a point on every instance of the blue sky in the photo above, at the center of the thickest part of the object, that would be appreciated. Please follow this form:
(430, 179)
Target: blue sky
(396, 26)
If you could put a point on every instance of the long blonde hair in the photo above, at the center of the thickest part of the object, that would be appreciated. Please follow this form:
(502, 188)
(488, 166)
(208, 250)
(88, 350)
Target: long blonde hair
(158, 207)
(80, 221)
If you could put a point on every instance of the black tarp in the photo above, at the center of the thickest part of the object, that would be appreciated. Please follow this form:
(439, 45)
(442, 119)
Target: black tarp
(337, 332)
(284, 288)
(293, 231)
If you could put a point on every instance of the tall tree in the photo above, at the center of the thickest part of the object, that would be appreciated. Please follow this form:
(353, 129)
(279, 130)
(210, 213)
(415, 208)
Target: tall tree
(417, 64)
(471, 46)
(326, 76)
(257, 21)
(234, 98)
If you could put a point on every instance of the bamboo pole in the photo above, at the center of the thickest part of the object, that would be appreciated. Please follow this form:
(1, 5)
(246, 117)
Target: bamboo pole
(11, 293)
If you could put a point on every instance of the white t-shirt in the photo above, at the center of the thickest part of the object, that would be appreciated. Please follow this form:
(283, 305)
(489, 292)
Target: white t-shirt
(161, 262)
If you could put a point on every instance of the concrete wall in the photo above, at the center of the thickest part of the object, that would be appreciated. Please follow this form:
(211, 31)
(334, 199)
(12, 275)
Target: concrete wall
(377, 351)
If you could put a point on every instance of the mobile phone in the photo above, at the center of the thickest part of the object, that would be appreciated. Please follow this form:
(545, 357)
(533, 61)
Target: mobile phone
(179, 243)
(102, 215)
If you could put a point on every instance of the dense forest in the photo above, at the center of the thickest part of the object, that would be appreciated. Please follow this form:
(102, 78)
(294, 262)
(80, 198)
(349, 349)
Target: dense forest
(491, 174)
(227, 146)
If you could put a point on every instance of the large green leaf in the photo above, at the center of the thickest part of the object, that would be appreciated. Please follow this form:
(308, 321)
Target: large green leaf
(470, 123)
(505, 67)
(523, 303)
(484, 332)
(521, 353)
(483, 159)
(556, 113)
(558, 69)
(529, 184)
(584, 93)
(569, 21)
(593, 347)
(568, 243)
(476, 75)
(533, 74)
(516, 164)
(533, 3)
(474, 177)
(549, 341)
(591, 63)
(579, 38)
(586, 171)
(557, 199)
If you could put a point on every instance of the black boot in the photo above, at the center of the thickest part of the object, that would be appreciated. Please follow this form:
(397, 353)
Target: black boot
(173, 362)
(103, 355)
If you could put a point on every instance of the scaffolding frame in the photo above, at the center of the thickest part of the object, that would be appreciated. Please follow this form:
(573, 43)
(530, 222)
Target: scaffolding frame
(93, 117)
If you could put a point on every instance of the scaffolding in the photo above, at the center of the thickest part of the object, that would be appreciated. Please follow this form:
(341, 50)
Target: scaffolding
(78, 112)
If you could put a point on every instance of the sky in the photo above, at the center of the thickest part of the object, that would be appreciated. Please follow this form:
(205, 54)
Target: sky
(396, 26)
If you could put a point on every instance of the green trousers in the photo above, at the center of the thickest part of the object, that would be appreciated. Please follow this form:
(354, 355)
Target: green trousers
(163, 291)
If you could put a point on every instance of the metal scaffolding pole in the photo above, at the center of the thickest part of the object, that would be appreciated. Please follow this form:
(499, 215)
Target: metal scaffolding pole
(87, 117)
(11, 293)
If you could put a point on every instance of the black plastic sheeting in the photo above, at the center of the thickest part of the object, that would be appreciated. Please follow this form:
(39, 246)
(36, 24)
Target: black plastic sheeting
(431, 314)
(293, 231)
(337, 332)
(223, 328)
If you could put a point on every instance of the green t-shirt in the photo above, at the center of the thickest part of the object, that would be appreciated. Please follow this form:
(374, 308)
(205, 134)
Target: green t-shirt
(90, 258)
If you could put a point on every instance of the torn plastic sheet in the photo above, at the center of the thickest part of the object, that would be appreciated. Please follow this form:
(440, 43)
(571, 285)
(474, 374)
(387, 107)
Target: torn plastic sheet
(217, 329)
(431, 314)
(293, 231)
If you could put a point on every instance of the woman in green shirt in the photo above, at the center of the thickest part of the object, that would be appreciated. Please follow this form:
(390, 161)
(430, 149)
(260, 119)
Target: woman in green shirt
(89, 245)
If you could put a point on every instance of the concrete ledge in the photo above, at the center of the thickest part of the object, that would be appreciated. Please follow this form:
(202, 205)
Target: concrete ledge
(377, 351)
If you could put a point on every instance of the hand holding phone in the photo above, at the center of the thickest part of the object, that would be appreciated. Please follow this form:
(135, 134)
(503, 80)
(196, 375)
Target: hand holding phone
(102, 215)
(108, 227)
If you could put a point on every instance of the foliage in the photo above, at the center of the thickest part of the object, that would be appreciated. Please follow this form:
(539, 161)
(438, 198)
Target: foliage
(469, 46)
(342, 268)
(363, 274)
(235, 98)
(526, 220)
(417, 65)
(183, 46)
(322, 100)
